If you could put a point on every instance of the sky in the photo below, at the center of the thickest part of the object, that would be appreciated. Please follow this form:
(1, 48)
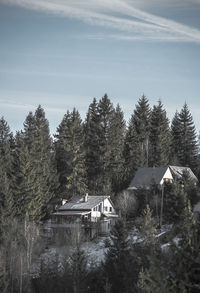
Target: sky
(63, 53)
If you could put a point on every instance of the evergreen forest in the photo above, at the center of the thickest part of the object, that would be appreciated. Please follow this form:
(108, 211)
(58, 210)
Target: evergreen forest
(99, 156)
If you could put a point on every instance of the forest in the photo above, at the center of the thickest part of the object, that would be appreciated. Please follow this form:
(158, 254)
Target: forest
(100, 155)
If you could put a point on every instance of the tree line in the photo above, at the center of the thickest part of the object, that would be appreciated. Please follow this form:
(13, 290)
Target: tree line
(99, 155)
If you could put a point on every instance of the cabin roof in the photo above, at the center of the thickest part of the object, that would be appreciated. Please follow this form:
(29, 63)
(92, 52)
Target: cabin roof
(144, 177)
(179, 171)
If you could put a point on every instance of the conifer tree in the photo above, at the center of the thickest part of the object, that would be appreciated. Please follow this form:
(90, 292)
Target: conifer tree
(186, 225)
(174, 202)
(6, 199)
(116, 137)
(92, 148)
(117, 265)
(147, 229)
(175, 132)
(141, 119)
(45, 155)
(78, 269)
(38, 142)
(159, 137)
(23, 177)
(70, 155)
(5, 146)
(105, 109)
(184, 138)
(186, 255)
(131, 152)
(6, 202)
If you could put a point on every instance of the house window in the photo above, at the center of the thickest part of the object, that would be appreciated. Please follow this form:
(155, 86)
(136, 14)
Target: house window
(110, 209)
(106, 209)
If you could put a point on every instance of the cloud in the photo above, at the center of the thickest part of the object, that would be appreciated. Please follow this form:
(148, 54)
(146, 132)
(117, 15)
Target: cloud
(121, 15)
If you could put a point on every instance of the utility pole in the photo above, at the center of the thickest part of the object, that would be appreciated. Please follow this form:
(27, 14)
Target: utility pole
(161, 206)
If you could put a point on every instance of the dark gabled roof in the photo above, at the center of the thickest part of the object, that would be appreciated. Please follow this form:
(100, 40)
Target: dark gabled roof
(144, 177)
(78, 202)
(179, 171)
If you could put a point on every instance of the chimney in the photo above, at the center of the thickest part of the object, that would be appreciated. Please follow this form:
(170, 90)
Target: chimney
(86, 197)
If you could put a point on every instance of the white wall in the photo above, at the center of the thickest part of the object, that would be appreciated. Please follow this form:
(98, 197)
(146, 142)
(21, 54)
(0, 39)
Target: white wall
(105, 208)
(167, 175)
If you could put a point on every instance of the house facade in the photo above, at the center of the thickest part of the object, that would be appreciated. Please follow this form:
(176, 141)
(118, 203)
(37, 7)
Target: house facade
(95, 214)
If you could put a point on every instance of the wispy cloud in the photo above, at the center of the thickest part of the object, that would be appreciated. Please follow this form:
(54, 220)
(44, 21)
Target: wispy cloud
(121, 15)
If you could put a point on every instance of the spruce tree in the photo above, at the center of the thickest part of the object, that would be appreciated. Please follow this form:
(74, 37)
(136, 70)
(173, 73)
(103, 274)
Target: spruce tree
(159, 137)
(92, 148)
(105, 109)
(23, 177)
(70, 155)
(131, 152)
(6, 200)
(141, 119)
(174, 202)
(185, 268)
(5, 146)
(45, 156)
(78, 265)
(147, 229)
(184, 138)
(175, 132)
(38, 142)
(118, 262)
(116, 138)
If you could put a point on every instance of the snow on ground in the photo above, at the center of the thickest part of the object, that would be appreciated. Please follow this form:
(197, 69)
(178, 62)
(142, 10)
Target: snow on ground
(95, 250)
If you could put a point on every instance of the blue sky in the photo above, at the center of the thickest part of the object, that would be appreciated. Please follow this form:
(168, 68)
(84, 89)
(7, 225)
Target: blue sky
(62, 53)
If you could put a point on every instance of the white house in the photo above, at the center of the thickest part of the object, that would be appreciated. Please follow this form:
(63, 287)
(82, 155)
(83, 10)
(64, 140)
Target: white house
(91, 211)
(145, 177)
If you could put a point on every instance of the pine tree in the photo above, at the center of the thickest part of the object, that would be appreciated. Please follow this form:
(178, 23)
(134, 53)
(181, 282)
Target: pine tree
(156, 278)
(92, 148)
(185, 268)
(105, 109)
(131, 152)
(45, 156)
(159, 137)
(43, 178)
(118, 262)
(147, 229)
(78, 269)
(5, 147)
(184, 138)
(6, 199)
(175, 132)
(23, 177)
(116, 137)
(70, 155)
(174, 202)
(141, 119)
(6, 202)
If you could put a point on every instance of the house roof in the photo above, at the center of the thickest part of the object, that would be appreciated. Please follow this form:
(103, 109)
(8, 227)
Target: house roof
(71, 213)
(178, 172)
(144, 177)
(78, 202)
